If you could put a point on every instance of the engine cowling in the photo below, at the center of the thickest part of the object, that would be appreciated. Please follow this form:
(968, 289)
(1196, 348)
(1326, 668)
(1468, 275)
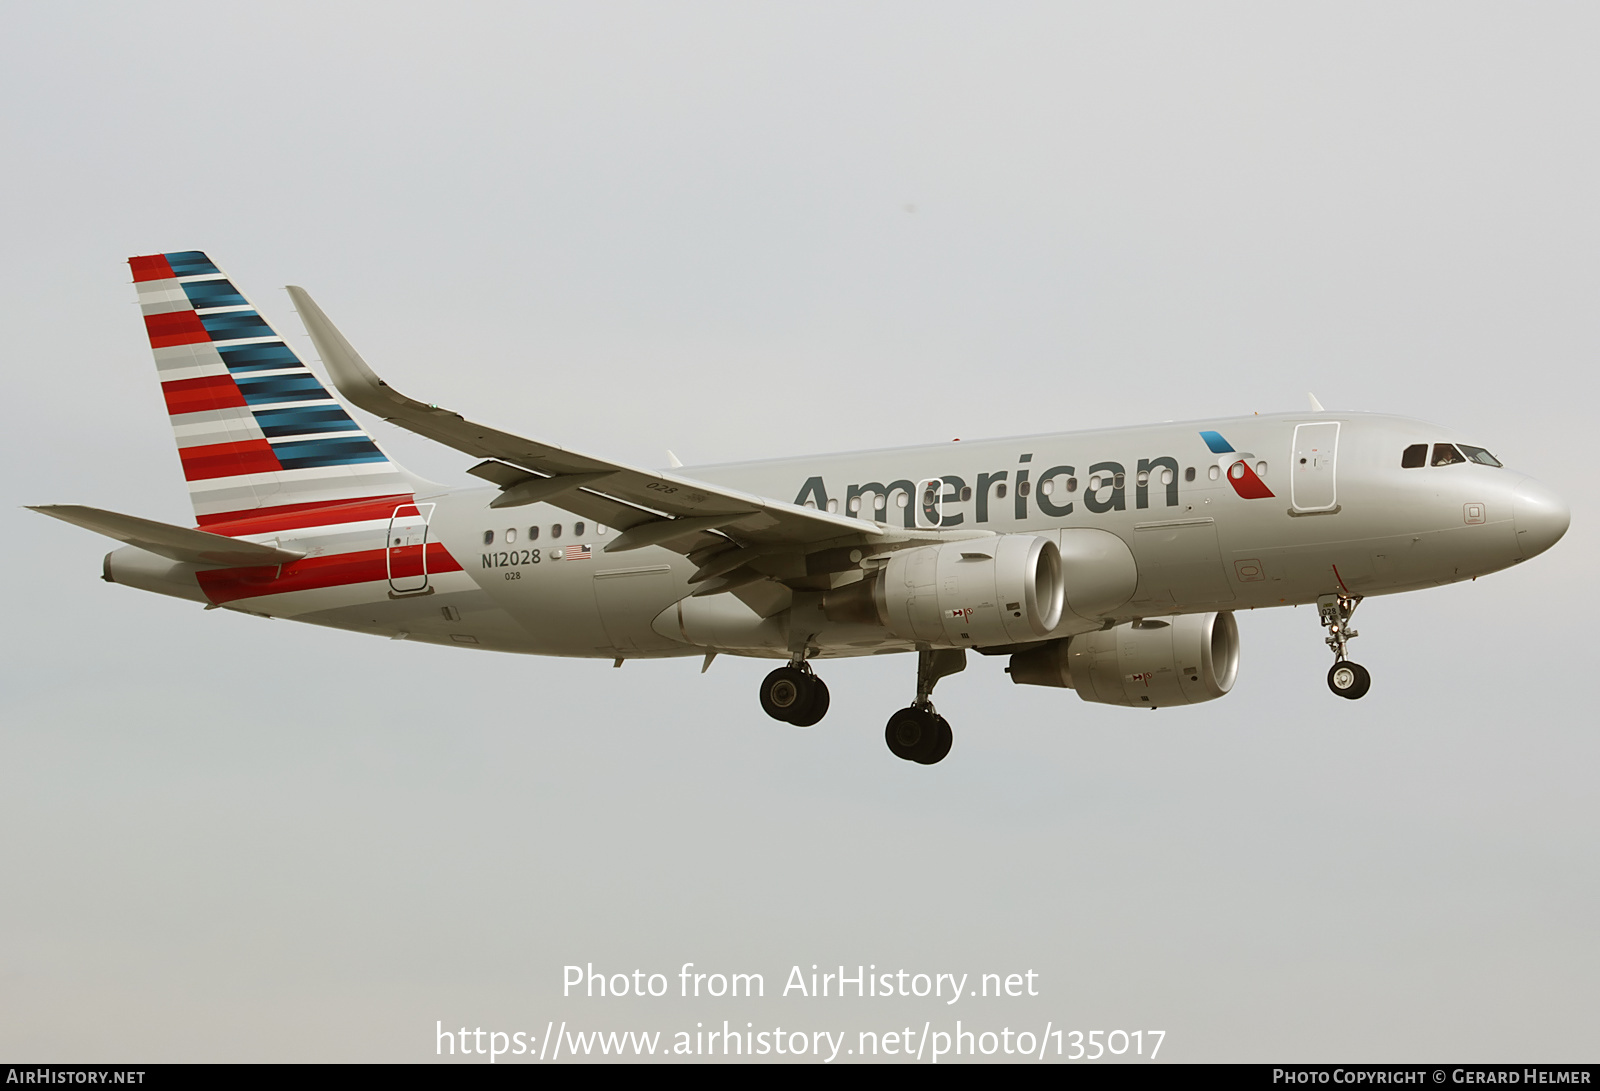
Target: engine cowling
(1001, 590)
(1148, 663)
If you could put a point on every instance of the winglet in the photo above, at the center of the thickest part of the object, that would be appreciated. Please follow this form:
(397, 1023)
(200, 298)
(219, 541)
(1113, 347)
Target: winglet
(630, 500)
(349, 371)
(1316, 406)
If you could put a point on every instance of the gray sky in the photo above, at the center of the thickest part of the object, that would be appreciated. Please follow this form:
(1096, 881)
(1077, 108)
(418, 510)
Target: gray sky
(745, 231)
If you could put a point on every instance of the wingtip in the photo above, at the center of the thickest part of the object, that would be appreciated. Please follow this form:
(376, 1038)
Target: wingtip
(349, 372)
(1316, 406)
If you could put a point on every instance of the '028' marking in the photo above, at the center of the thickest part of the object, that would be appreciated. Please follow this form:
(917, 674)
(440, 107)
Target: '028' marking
(510, 557)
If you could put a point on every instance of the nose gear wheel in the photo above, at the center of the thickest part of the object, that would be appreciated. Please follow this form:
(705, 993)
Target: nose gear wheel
(1349, 680)
(1346, 679)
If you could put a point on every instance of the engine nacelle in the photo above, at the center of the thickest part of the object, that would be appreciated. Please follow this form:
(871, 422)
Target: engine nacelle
(1001, 590)
(1149, 663)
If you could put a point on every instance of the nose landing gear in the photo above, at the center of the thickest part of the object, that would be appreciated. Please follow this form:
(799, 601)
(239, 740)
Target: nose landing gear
(1346, 679)
(1349, 680)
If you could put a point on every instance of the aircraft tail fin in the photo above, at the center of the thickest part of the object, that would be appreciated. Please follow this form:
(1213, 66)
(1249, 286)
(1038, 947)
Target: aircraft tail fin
(262, 441)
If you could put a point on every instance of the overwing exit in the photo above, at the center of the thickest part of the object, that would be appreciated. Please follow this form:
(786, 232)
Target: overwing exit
(1110, 563)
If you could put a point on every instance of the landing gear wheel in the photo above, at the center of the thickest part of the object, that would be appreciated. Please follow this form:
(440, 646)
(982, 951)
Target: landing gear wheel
(817, 705)
(1349, 680)
(913, 734)
(786, 693)
(946, 737)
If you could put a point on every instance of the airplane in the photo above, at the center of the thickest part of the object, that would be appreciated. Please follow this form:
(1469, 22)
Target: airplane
(1107, 562)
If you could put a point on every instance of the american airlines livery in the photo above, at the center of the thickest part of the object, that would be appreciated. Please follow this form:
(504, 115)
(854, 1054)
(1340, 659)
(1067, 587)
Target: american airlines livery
(1107, 562)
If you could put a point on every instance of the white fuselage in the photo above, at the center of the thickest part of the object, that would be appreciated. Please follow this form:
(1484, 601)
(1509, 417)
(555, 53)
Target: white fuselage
(1323, 506)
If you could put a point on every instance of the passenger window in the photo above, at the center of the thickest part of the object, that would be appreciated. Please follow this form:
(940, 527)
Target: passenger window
(833, 507)
(555, 531)
(533, 534)
(1214, 472)
(1166, 475)
(1025, 487)
(1072, 484)
(600, 528)
(1188, 475)
(966, 492)
(1143, 477)
(1000, 490)
(1445, 454)
(1116, 481)
(577, 529)
(1261, 469)
(1414, 456)
(1479, 455)
(488, 537)
(511, 535)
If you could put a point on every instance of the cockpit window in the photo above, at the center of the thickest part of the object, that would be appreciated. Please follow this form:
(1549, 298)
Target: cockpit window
(1445, 454)
(1479, 455)
(1414, 456)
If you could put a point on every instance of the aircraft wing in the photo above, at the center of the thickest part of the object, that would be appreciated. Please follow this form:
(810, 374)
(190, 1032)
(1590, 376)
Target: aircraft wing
(181, 544)
(650, 507)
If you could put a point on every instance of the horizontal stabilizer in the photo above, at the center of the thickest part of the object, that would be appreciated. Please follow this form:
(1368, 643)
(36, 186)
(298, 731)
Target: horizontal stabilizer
(174, 543)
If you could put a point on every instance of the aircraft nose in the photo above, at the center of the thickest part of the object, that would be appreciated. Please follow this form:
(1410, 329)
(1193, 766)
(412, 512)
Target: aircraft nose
(1541, 517)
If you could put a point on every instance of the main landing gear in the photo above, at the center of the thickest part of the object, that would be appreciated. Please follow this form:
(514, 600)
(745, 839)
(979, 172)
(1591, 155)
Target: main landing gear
(795, 695)
(919, 733)
(1348, 680)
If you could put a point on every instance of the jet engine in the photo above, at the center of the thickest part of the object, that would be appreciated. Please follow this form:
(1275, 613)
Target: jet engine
(1148, 663)
(1001, 590)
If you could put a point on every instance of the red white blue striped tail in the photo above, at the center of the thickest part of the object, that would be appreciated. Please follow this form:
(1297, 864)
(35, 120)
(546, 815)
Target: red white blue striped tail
(264, 445)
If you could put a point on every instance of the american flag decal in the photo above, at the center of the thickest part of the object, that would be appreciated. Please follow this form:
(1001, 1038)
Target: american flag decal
(579, 553)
